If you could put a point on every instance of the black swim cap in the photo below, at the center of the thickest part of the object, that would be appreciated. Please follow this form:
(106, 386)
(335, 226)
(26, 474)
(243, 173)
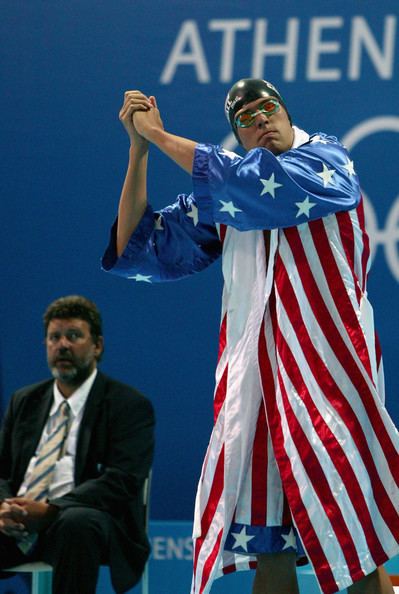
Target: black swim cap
(245, 91)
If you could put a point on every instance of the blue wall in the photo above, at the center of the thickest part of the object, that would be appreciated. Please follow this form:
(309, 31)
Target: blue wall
(64, 68)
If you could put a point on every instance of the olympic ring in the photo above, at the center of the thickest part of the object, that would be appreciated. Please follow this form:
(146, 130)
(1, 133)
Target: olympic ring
(389, 236)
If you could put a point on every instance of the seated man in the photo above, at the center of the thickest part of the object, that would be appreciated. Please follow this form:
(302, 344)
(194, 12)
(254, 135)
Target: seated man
(74, 454)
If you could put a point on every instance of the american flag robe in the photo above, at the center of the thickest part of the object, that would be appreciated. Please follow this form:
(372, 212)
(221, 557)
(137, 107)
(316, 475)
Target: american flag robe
(299, 411)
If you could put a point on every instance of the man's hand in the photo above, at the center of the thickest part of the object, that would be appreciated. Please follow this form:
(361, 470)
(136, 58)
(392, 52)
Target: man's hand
(148, 123)
(134, 101)
(33, 515)
(11, 520)
(142, 120)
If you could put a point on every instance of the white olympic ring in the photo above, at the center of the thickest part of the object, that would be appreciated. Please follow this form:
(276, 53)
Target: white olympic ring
(388, 237)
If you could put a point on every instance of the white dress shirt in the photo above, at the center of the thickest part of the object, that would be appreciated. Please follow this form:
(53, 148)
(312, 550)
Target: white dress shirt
(63, 477)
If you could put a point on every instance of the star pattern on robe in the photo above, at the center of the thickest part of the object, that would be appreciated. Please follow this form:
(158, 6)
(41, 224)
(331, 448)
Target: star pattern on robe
(193, 214)
(290, 540)
(241, 539)
(158, 224)
(304, 207)
(349, 167)
(230, 208)
(269, 186)
(141, 278)
(326, 175)
(318, 139)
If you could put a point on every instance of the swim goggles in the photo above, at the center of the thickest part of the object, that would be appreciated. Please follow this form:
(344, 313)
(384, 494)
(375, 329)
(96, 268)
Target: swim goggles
(247, 118)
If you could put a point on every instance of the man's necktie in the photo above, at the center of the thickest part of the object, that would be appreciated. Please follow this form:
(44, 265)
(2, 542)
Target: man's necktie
(50, 451)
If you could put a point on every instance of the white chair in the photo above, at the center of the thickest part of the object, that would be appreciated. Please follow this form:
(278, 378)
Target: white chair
(146, 502)
(42, 572)
(41, 575)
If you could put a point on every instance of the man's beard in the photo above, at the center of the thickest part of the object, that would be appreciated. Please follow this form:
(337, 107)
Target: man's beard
(75, 375)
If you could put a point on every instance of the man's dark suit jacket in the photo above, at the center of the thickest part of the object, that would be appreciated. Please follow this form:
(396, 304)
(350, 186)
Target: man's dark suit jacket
(114, 455)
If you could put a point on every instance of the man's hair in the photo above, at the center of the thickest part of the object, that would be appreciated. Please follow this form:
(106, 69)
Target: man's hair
(75, 306)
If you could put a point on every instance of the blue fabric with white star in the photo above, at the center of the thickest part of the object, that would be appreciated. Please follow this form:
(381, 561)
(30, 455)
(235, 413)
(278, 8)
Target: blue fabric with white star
(254, 540)
(167, 245)
(258, 191)
(262, 191)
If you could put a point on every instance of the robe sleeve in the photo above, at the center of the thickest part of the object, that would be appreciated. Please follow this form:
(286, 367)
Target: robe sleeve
(167, 245)
(262, 191)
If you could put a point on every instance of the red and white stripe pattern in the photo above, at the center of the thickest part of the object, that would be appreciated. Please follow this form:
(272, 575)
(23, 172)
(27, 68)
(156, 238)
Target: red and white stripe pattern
(300, 345)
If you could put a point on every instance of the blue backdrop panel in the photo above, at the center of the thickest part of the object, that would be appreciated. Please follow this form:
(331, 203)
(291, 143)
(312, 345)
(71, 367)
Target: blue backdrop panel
(65, 66)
